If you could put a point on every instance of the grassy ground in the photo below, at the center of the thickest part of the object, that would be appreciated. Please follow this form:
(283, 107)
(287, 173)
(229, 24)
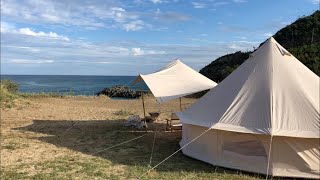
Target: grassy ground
(55, 138)
(127, 161)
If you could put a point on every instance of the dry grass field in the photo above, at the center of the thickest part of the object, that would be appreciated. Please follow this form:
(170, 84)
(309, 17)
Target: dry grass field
(59, 137)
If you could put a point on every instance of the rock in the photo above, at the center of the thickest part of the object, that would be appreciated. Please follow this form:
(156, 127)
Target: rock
(120, 91)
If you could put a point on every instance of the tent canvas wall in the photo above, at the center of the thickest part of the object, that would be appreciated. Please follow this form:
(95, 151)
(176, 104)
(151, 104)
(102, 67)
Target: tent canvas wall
(264, 117)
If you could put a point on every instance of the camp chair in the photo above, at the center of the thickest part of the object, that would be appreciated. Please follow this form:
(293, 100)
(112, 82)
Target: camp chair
(173, 123)
(154, 116)
(149, 119)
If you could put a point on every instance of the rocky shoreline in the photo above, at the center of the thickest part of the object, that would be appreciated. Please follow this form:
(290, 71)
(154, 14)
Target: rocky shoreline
(120, 91)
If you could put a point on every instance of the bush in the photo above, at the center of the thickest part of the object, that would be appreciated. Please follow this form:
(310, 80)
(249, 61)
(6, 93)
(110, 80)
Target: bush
(8, 94)
(9, 85)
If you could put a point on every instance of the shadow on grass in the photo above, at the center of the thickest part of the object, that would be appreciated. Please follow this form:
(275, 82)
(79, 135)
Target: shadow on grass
(92, 136)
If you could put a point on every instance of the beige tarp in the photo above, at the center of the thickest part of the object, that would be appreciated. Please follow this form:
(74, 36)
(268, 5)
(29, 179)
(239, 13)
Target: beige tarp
(272, 94)
(175, 80)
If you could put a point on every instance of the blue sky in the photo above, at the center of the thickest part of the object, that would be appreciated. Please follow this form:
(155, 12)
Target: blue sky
(112, 37)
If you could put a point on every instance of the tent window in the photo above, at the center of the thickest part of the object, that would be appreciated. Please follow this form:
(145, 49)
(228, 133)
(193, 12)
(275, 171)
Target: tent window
(245, 147)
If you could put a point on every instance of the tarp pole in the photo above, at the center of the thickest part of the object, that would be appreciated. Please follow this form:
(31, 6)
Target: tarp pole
(180, 104)
(142, 98)
(144, 110)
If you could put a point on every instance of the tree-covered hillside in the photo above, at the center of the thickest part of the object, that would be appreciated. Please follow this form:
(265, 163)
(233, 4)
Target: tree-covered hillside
(304, 31)
(301, 38)
(220, 68)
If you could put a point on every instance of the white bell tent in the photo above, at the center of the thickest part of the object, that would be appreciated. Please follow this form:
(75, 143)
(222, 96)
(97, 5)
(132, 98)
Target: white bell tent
(263, 118)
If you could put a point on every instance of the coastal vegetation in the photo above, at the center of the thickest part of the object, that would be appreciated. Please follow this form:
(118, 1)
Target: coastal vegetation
(301, 38)
(10, 95)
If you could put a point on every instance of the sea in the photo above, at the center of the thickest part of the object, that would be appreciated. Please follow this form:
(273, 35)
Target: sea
(70, 84)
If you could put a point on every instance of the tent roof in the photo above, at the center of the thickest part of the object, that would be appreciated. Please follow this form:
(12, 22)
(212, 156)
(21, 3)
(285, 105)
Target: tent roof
(270, 93)
(175, 80)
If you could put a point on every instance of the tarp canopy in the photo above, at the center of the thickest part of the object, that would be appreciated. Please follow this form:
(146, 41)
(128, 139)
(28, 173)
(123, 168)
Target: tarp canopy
(271, 93)
(175, 80)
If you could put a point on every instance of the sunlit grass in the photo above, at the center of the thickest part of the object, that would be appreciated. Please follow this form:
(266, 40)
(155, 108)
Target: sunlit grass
(127, 161)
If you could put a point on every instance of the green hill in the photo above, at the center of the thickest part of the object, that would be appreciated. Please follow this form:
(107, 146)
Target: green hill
(301, 38)
(220, 68)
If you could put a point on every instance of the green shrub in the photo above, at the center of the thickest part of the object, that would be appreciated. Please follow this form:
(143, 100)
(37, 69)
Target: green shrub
(8, 94)
(9, 85)
(71, 93)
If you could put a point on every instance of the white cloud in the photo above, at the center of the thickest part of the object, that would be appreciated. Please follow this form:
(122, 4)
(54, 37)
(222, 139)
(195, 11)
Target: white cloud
(153, 52)
(22, 47)
(242, 45)
(25, 61)
(242, 37)
(157, 1)
(161, 29)
(234, 46)
(140, 52)
(220, 3)
(317, 2)
(268, 34)
(8, 28)
(90, 15)
(118, 9)
(170, 16)
(29, 32)
(239, 1)
(40, 55)
(107, 14)
(134, 25)
(137, 52)
(199, 5)
(5, 27)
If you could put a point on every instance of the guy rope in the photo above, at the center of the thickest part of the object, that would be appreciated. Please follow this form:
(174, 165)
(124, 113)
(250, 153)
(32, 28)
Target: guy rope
(173, 153)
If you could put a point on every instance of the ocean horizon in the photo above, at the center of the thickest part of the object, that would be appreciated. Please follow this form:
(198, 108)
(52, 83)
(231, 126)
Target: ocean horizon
(87, 85)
